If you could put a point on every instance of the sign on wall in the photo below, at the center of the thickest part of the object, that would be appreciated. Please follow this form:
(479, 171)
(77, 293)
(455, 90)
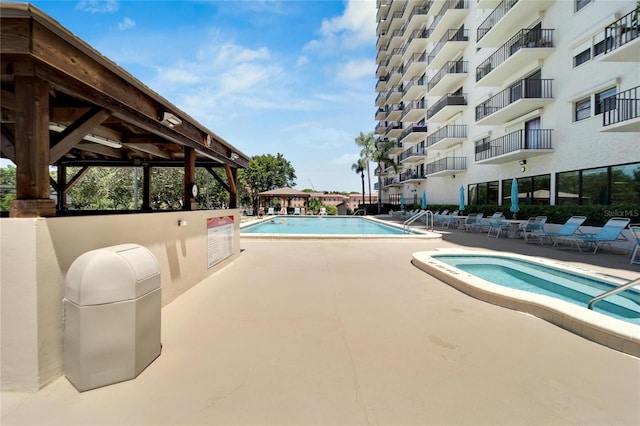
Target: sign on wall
(219, 239)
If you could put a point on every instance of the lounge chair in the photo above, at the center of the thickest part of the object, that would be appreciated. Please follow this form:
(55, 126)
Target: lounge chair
(473, 222)
(497, 226)
(449, 219)
(323, 211)
(635, 230)
(271, 211)
(438, 217)
(534, 225)
(296, 211)
(569, 228)
(485, 223)
(610, 232)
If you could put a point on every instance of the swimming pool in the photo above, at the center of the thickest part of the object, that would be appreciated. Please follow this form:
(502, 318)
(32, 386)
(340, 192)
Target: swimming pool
(328, 227)
(548, 289)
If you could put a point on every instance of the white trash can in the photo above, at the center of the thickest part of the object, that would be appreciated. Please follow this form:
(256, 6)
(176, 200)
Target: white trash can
(112, 313)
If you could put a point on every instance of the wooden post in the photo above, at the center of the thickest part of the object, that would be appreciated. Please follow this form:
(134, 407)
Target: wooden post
(232, 177)
(189, 178)
(32, 149)
(62, 187)
(146, 188)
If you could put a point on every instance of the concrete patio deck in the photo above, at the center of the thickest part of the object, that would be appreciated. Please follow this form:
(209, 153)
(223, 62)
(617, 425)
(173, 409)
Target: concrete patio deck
(349, 332)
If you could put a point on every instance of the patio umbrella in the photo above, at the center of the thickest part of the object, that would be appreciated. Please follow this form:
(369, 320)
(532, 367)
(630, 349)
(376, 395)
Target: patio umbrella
(401, 201)
(424, 200)
(461, 207)
(514, 198)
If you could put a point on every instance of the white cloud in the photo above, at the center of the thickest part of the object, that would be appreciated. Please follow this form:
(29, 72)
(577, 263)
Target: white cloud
(346, 159)
(98, 6)
(126, 23)
(231, 53)
(354, 28)
(355, 69)
(302, 61)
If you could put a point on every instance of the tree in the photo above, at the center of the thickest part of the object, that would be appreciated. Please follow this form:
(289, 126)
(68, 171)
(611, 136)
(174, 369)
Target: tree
(266, 172)
(7, 186)
(359, 167)
(381, 157)
(367, 144)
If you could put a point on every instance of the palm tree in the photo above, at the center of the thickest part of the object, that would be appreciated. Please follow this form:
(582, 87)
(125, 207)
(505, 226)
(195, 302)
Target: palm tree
(381, 157)
(359, 167)
(367, 144)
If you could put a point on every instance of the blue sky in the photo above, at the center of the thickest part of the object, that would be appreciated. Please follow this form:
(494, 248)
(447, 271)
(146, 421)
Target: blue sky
(268, 76)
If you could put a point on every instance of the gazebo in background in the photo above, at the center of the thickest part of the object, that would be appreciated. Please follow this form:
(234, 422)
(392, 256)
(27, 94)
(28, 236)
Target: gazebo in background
(284, 194)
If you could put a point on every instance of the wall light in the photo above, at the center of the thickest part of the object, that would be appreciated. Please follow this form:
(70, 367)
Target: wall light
(169, 120)
(453, 176)
(91, 137)
(522, 162)
(234, 156)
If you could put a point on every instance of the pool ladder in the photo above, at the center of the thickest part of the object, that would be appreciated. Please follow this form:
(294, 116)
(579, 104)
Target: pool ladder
(612, 292)
(428, 215)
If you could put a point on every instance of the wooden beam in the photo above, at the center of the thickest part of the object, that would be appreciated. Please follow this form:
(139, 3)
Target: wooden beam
(213, 173)
(8, 144)
(74, 180)
(99, 149)
(233, 193)
(32, 149)
(73, 134)
(149, 149)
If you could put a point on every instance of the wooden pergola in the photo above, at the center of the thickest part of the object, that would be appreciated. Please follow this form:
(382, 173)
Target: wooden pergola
(63, 104)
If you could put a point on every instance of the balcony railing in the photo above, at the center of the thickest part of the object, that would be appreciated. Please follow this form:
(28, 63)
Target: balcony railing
(451, 67)
(416, 34)
(523, 89)
(447, 100)
(416, 57)
(396, 89)
(623, 31)
(495, 16)
(393, 126)
(416, 81)
(528, 38)
(520, 139)
(413, 128)
(421, 104)
(390, 181)
(450, 35)
(418, 150)
(451, 131)
(446, 163)
(622, 107)
(409, 175)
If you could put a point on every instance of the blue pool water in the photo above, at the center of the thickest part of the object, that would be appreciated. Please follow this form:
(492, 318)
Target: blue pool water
(325, 225)
(563, 285)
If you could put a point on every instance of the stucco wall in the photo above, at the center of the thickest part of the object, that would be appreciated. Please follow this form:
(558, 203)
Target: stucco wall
(36, 253)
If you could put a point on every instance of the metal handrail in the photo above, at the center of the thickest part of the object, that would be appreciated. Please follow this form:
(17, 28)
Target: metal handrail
(427, 213)
(613, 291)
(363, 211)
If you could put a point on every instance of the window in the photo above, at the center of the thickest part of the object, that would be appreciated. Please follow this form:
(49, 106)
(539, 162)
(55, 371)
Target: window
(582, 109)
(568, 187)
(582, 57)
(531, 190)
(625, 184)
(595, 187)
(484, 193)
(601, 186)
(581, 3)
(605, 101)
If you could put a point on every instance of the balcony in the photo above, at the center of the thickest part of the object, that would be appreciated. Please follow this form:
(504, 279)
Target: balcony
(381, 128)
(515, 146)
(452, 14)
(381, 70)
(507, 18)
(394, 112)
(414, 89)
(414, 111)
(487, 4)
(395, 147)
(415, 66)
(522, 97)
(396, 41)
(396, 21)
(447, 136)
(381, 99)
(382, 55)
(448, 78)
(394, 59)
(447, 107)
(411, 175)
(413, 133)
(393, 130)
(454, 41)
(382, 83)
(414, 154)
(622, 39)
(446, 166)
(622, 113)
(416, 44)
(381, 114)
(394, 95)
(527, 47)
(417, 18)
(395, 76)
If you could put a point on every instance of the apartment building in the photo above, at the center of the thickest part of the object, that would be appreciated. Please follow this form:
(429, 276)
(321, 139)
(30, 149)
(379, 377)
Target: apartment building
(474, 93)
